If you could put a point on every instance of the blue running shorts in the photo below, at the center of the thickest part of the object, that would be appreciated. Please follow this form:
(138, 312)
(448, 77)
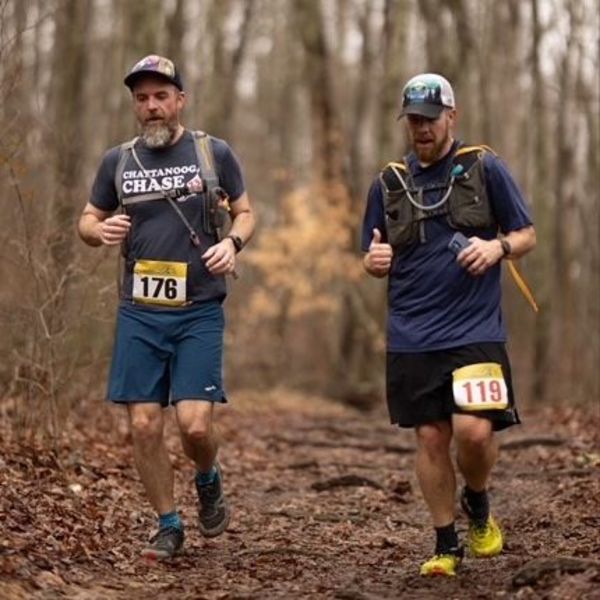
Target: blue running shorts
(167, 355)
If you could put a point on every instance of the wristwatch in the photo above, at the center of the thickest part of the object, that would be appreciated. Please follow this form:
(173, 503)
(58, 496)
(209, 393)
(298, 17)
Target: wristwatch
(238, 244)
(506, 247)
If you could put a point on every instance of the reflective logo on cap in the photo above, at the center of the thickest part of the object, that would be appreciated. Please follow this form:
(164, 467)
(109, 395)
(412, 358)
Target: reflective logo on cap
(428, 88)
(423, 92)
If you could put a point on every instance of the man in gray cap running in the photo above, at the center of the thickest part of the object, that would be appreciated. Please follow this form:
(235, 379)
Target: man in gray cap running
(439, 224)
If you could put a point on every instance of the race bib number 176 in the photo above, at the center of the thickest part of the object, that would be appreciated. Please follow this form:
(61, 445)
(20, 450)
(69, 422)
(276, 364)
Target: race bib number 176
(480, 387)
(160, 282)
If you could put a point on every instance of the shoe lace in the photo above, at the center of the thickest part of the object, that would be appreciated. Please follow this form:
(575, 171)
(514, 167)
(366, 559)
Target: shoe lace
(164, 535)
(452, 553)
(210, 492)
(444, 556)
(480, 531)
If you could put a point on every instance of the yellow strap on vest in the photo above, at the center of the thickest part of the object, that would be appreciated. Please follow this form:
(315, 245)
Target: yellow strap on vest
(479, 148)
(522, 285)
(397, 165)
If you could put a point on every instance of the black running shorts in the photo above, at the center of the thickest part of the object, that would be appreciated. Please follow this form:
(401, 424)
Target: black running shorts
(420, 385)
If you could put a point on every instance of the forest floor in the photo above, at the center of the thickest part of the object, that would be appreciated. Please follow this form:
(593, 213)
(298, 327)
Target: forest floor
(325, 505)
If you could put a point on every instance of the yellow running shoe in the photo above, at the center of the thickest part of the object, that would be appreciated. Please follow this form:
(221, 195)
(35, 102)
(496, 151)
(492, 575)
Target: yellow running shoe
(485, 541)
(441, 564)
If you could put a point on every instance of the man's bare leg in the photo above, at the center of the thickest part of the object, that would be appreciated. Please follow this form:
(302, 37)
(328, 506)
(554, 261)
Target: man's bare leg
(151, 456)
(477, 452)
(476, 449)
(198, 436)
(435, 471)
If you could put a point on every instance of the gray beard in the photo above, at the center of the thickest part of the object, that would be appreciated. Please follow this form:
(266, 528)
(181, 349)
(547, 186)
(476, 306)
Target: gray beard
(158, 135)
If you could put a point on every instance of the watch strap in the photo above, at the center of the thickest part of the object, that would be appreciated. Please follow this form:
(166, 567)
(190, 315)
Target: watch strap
(238, 244)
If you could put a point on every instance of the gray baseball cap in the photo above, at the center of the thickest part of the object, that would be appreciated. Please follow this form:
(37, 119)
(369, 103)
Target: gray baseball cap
(427, 95)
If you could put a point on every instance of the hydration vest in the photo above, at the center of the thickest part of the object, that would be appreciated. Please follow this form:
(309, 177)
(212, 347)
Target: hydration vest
(463, 198)
(211, 214)
(204, 156)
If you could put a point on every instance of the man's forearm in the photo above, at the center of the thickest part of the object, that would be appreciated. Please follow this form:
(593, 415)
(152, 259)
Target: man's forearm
(243, 225)
(521, 241)
(89, 230)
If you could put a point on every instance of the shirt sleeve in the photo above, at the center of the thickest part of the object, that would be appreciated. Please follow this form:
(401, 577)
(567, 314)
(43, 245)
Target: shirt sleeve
(104, 194)
(508, 203)
(229, 169)
(374, 216)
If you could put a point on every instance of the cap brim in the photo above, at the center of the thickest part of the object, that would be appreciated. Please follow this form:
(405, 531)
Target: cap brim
(133, 78)
(430, 111)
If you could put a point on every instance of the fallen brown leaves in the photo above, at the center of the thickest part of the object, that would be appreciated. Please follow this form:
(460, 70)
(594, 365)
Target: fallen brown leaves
(325, 506)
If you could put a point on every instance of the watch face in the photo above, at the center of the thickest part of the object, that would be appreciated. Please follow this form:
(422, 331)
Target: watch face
(237, 242)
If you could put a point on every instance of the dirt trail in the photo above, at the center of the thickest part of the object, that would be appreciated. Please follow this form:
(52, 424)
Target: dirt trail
(325, 506)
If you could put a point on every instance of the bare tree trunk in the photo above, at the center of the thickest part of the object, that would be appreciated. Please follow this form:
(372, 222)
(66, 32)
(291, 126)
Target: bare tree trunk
(355, 377)
(140, 34)
(561, 342)
(176, 27)
(542, 206)
(462, 74)
(581, 221)
(70, 60)
(327, 152)
(143, 27)
(11, 82)
(438, 55)
(393, 39)
(589, 221)
(226, 66)
(235, 65)
(361, 105)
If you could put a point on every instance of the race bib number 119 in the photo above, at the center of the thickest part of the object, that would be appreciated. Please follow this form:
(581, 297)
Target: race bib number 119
(160, 282)
(480, 387)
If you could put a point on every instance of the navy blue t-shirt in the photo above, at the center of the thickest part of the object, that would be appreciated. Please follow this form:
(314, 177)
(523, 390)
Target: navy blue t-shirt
(157, 232)
(433, 302)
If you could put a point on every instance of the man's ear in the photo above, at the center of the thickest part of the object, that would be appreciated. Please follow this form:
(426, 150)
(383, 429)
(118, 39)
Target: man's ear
(452, 118)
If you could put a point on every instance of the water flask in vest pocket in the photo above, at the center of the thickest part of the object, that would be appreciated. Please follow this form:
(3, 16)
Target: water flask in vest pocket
(458, 243)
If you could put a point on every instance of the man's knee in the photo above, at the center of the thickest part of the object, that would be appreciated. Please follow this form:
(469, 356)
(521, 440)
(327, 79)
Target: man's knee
(473, 434)
(197, 432)
(434, 438)
(146, 425)
(195, 422)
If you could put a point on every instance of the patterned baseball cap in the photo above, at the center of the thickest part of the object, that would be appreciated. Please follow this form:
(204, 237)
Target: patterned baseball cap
(156, 65)
(427, 95)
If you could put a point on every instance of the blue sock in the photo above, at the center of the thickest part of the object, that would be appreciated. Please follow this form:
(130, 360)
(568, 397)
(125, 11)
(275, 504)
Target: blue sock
(171, 519)
(206, 478)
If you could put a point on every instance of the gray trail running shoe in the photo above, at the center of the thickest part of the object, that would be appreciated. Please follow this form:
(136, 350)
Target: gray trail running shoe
(165, 544)
(213, 511)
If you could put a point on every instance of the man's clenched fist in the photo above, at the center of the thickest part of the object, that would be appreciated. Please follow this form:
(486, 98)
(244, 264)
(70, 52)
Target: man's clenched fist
(378, 260)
